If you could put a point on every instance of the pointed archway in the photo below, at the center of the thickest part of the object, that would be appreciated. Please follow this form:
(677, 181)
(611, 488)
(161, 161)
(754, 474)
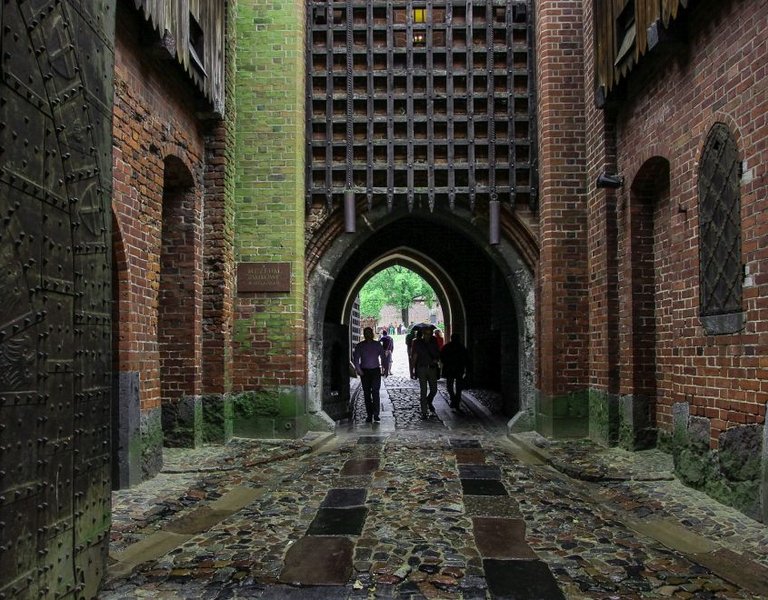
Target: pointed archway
(488, 291)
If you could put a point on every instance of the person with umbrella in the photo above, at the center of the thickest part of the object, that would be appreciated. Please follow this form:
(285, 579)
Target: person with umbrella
(426, 357)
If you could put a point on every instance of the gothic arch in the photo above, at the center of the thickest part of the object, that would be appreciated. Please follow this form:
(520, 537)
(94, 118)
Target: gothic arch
(329, 257)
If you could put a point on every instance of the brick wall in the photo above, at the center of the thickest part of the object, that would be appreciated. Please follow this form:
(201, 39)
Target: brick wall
(219, 234)
(669, 109)
(269, 337)
(418, 313)
(158, 165)
(562, 272)
(151, 121)
(601, 234)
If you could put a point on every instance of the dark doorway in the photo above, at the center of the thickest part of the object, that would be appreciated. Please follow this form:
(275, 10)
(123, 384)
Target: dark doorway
(490, 324)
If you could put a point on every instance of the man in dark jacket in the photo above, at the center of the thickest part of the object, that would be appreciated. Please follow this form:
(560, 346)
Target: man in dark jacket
(426, 357)
(389, 346)
(413, 334)
(368, 359)
(455, 360)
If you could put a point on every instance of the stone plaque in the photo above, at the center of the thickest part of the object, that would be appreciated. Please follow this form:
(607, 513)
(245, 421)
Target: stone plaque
(263, 277)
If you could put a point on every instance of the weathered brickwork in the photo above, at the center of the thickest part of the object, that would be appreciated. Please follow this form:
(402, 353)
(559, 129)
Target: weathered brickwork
(268, 339)
(699, 391)
(669, 110)
(158, 161)
(562, 271)
(219, 234)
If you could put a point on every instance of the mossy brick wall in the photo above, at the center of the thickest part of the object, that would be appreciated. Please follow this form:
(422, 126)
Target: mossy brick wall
(268, 337)
(562, 299)
(219, 232)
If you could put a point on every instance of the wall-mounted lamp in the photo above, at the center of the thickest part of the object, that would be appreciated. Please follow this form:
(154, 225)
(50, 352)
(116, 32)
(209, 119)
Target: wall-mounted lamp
(494, 208)
(609, 181)
(349, 212)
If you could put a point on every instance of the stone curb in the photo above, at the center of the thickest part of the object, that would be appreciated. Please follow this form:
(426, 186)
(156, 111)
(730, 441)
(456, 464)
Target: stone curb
(591, 473)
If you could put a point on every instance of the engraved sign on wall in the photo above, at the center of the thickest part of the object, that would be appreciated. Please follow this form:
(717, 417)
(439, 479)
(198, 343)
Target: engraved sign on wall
(263, 277)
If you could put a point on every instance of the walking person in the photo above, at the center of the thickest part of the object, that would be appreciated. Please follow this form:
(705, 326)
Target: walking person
(439, 339)
(389, 347)
(369, 360)
(455, 359)
(413, 335)
(426, 357)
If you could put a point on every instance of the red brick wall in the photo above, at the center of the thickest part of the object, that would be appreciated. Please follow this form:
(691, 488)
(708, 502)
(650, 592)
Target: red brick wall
(562, 274)
(219, 233)
(602, 233)
(154, 117)
(670, 106)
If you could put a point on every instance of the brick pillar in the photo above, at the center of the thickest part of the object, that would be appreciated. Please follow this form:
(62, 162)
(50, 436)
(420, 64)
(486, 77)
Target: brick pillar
(562, 406)
(219, 257)
(269, 335)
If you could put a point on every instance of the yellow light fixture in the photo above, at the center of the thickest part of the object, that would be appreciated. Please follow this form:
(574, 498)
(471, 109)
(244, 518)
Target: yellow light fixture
(419, 15)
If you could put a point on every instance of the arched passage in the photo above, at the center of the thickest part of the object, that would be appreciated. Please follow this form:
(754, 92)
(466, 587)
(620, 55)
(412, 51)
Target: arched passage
(489, 291)
(440, 281)
(126, 409)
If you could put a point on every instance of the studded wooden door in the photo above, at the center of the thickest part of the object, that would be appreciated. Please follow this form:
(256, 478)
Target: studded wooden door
(55, 178)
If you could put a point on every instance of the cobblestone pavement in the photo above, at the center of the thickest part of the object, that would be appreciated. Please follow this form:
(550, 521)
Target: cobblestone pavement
(447, 508)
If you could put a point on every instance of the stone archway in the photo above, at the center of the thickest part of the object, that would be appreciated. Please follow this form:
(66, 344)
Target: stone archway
(499, 323)
(454, 311)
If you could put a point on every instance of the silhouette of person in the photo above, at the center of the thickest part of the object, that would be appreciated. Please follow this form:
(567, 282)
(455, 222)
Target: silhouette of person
(369, 359)
(426, 357)
(455, 359)
(389, 346)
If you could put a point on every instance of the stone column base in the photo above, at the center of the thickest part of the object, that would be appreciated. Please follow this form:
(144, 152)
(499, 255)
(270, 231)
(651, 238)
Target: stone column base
(183, 422)
(565, 416)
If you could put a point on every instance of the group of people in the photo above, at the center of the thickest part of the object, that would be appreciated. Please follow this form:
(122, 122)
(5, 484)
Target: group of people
(427, 356)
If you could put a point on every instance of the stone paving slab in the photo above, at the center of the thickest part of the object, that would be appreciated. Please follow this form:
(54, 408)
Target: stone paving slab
(338, 521)
(318, 561)
(359, 466)
(344, 497)
(483, 487)
(479, 471)
(521, 580)
(501, 538)
(470, 456)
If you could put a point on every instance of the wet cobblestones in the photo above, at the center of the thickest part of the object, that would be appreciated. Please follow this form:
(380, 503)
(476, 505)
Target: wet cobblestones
(417, 536)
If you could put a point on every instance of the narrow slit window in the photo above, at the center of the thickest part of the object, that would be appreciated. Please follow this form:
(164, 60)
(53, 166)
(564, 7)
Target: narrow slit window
(196, 44)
